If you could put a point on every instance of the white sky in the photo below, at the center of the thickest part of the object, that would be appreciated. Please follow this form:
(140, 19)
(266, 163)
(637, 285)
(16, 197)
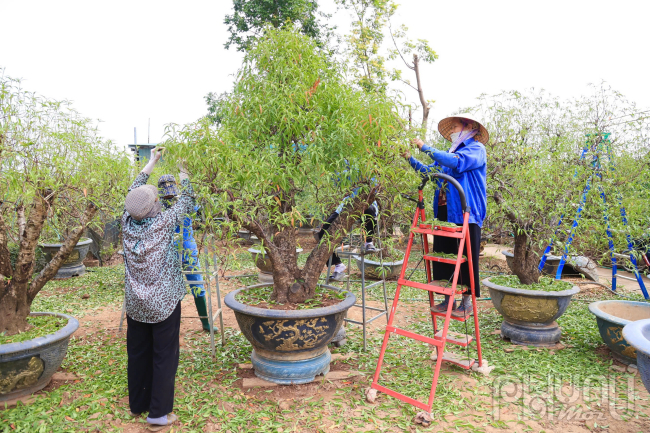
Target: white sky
(126, 61)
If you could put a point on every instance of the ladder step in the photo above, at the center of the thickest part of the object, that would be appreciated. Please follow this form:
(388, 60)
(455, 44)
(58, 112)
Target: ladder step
(402, 397)
(460, 319)
(413, 335)
(456, 338)
(443, 260)
(454, 358)
(428, 287)
(441, 233)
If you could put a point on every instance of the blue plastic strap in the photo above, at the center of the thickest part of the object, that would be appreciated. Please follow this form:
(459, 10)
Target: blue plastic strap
(558, 275)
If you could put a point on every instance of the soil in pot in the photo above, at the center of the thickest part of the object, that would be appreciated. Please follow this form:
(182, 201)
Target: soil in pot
(626, 311)
(260, 297)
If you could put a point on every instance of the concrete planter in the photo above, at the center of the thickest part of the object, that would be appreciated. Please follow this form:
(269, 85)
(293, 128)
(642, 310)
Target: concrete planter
(290, 346)
(28, 366)
(73, 266)
(611, 318)
(529, 315)
(379, 270)
(637, 334)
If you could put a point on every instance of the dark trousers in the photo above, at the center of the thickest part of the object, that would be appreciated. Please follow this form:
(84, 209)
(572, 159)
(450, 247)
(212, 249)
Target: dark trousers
(369, 219)
(153, 351)
(444, 271)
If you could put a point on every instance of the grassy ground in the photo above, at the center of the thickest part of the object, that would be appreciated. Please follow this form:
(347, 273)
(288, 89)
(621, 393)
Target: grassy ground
(529, 390)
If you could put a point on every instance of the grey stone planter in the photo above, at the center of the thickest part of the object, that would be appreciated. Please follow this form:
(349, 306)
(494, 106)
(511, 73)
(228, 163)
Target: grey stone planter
(73, 266)
(379, 270)
(529, 315)
(28, 366)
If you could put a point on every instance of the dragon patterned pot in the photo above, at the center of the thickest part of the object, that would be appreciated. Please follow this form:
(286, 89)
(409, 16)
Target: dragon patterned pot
(73, 266)
(28, 366)
(290, 346)
(611, 317)
(637, 334)
(529, 315)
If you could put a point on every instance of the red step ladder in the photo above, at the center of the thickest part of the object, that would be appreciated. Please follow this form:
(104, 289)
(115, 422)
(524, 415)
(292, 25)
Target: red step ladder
(443, 336)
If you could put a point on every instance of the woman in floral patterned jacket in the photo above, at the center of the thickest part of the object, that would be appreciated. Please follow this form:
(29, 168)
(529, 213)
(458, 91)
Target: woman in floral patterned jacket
(154, 290)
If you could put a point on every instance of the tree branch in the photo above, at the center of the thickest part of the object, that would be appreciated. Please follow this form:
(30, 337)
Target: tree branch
(62, 255)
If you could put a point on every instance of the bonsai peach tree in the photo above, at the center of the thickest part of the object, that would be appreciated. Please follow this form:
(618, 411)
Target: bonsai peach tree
(292, 123)
(52, 162)
(536, 175)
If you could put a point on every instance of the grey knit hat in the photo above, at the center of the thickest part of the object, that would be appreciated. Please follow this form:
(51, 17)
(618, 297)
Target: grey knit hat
(142, 202)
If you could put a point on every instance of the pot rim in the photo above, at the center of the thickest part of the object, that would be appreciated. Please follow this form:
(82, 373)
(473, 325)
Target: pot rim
(525, 292)
(237, 306)
(59, 245)
(633, 334)
(374, 263)
(65, 332)
(594, 308)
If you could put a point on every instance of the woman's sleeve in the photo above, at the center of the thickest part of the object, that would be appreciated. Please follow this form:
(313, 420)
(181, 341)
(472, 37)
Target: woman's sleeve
(183, 207)
(471, 157)
(422, 168)
(140, 179)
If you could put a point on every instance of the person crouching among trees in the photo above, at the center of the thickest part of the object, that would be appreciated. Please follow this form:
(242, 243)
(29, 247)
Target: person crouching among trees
(167, 191)
(466, 161)
(154, 289)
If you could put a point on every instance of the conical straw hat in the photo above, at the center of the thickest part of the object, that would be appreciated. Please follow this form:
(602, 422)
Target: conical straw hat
(444, 127)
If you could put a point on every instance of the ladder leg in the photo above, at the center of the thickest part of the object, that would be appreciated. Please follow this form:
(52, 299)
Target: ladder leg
(470, 264)
(206, 267)
(216, 279)
(363, 299)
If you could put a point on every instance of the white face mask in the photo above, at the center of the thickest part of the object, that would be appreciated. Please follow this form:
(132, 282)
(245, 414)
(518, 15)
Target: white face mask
(454, 136)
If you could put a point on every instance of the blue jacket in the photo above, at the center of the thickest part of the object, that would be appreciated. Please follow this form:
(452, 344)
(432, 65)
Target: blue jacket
(468, 166)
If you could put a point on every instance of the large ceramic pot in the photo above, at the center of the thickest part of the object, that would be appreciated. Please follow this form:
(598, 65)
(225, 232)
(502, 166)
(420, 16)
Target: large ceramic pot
(637, 334)
(379, 270)
(611, 317)
(73, 266)
(263, 263)
(290, 346)
(529, 315)
(28, 366)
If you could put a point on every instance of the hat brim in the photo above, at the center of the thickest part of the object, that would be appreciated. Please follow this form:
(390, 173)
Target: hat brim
(444, 128)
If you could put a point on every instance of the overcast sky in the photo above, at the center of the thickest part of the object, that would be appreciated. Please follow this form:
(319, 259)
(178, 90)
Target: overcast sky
(127, 61)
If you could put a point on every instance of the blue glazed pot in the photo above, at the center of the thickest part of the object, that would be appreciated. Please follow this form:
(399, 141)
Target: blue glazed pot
(529, 315)
(289, 346)
(28, 366)
(611, 317)
(637, 334)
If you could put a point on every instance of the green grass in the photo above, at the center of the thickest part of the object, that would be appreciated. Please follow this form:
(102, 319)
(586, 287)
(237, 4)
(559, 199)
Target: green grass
(209, 396)
(41, 326)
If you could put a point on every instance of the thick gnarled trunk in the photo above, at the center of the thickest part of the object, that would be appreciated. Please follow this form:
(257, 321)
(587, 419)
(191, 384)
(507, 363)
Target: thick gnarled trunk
(526, 259)
(291, 284)
(18, 285)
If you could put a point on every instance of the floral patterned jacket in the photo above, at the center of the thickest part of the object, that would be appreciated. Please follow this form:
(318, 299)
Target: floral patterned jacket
(153, 280)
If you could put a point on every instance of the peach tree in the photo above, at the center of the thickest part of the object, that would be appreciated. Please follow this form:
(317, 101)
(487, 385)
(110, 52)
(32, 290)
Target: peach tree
(293, 123)
(52, 164)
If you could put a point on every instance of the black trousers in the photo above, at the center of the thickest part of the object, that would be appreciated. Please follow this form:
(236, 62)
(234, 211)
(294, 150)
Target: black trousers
(444, 271)
(153, 350)
(369, 219)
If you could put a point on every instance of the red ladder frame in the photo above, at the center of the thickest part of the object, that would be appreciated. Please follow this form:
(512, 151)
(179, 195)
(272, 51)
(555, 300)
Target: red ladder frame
(439, 339)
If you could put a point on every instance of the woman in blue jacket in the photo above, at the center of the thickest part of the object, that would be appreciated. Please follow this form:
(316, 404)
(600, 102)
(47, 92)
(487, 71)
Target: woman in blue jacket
(466, 162)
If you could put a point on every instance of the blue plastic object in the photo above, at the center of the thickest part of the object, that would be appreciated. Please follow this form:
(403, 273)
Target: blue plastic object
(637, 334)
